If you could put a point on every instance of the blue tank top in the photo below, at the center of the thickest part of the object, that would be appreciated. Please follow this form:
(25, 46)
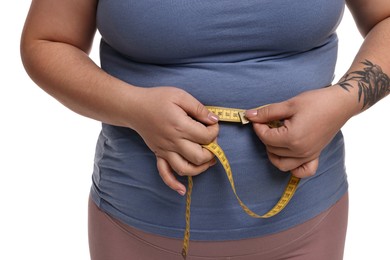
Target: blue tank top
(228, 53)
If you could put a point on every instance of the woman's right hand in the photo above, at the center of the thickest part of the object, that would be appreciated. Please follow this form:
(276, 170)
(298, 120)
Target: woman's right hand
(175, 125)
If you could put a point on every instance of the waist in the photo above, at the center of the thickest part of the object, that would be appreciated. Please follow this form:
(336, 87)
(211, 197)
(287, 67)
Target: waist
(127, 180)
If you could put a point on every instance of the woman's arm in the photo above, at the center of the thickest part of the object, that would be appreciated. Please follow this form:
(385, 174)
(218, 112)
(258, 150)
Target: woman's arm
(312, 119)
(54, 48)
(368, 77)
(55, 43)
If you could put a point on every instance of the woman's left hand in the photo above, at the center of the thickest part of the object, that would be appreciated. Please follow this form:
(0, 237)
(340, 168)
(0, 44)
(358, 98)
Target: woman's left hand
(310, 121)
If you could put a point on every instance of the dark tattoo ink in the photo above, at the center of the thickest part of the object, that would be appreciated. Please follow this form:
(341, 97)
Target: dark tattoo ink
(373, 84)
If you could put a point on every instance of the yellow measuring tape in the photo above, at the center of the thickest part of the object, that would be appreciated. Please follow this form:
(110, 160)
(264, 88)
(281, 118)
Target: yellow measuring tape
(237, 116)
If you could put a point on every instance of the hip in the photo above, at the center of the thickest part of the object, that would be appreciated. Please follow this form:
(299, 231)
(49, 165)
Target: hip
(321, 237)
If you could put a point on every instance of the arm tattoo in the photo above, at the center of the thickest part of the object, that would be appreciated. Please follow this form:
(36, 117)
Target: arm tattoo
(373, 84)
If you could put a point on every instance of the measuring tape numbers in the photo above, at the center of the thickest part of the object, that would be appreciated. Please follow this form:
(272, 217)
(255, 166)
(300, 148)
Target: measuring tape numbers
(236, 116)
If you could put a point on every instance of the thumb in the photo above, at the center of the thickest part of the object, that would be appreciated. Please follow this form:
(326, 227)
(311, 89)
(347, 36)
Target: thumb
(307, 169)
(269, 113)
(198, 111)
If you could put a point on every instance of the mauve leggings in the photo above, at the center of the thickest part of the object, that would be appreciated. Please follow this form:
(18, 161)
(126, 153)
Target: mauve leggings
(321, 238)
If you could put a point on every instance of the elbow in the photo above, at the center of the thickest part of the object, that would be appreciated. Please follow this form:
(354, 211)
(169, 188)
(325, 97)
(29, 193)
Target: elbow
(32, 55)
(23, 50)
(25, 46)
(26, 50)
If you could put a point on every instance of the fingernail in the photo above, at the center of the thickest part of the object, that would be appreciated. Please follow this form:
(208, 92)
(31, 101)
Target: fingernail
(213, 117)
(181, 192)
(250, 113)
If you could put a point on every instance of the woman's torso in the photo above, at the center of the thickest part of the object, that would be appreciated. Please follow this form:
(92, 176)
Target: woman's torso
(225, 53)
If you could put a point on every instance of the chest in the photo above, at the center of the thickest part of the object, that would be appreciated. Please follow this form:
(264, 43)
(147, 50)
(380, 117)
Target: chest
(173, 31)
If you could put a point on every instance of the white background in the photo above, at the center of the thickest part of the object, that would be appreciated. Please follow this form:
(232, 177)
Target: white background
(46, 158)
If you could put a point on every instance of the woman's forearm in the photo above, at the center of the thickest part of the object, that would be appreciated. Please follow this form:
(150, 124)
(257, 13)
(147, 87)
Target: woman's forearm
(70, 76)
(367, 80)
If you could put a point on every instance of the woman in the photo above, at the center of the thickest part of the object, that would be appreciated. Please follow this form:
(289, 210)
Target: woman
(161, 63)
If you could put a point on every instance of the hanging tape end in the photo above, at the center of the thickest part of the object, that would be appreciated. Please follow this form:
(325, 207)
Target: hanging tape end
(184, 254)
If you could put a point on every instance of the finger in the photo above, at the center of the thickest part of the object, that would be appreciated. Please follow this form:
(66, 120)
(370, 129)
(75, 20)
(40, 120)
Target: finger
(193, 152)
(280, 151)
(307, 169)
(276, 137)
(197, 132)
(286, 164)
(185, 168)
(286, 152)
(197, 110)
(268, 113)
(168, 177)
